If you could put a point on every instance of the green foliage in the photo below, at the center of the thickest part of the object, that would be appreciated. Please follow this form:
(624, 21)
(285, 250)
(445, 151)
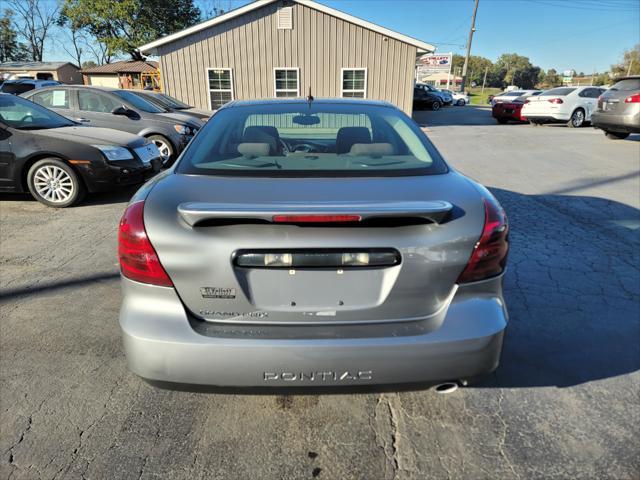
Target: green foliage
(631, 58)
(517, 70)
(89, 64)
(11, 50)
(550, 79)
(124, 25)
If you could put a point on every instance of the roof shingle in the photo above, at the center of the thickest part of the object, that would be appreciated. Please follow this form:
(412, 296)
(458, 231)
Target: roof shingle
(127, 66)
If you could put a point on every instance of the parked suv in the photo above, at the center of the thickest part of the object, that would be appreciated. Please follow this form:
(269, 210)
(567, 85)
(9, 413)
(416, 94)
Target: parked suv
(121, 110)
(23, 85)
(618, 110)
(445, 97)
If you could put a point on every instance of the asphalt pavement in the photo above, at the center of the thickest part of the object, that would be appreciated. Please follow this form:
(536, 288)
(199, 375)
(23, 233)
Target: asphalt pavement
(564, 403)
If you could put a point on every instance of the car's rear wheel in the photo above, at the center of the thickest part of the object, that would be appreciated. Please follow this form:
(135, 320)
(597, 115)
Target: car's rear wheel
(461, 103)
(577, 119)
(435, 106)
(166, 149)
(616, 135)
(54, 183)
(502, 121)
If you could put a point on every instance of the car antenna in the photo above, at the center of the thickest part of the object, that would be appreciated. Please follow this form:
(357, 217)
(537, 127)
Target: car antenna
(309, 97)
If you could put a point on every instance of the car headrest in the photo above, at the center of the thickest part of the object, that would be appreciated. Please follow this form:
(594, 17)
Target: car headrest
(263, 134)
(371, 149)
(252, 150)
(348, 136)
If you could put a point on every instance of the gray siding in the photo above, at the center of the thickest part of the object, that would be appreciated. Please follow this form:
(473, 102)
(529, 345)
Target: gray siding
(319, 45)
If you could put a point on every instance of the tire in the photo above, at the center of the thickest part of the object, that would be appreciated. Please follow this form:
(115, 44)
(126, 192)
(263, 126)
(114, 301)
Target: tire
(577, 119)
(616, 135)
(502, 121)
(166, 149)
(534, 123)
(435, 106)
(461, 103)
(54, 183)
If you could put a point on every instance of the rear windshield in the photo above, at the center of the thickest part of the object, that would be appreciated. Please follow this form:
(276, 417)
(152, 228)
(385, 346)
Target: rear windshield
(557, 92)
(16, 88)
(317, 139)
(628, 85)
(512, 94)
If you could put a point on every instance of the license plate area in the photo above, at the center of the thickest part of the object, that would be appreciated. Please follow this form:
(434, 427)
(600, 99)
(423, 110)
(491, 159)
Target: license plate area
(313, 290)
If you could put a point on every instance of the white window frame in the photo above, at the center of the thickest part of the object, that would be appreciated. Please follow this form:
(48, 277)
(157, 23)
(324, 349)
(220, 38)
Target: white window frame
(233, 96)
(275, 88)
(366, 77)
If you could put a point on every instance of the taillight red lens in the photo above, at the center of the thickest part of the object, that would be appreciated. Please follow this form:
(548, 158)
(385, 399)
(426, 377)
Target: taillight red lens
(315, 218)
(556, 100)
(138, 259)
(633, 98)
(527, 101)
(489, 255)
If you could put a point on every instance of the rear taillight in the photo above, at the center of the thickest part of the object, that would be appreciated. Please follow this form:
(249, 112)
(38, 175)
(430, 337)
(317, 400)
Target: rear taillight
(489, 255)
(138, 259)
(557, 101)
(633, 98)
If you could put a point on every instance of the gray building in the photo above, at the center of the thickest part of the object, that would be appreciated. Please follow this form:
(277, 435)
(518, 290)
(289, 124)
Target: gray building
(281, 48)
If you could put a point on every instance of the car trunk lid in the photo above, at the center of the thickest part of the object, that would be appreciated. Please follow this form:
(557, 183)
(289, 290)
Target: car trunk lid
(429, 224)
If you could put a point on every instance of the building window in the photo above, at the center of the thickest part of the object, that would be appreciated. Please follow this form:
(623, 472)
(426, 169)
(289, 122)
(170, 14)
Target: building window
(220, 86)
(286, 82)
(354, 82)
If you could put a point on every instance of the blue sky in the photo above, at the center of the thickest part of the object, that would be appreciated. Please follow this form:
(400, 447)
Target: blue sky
(561, 34)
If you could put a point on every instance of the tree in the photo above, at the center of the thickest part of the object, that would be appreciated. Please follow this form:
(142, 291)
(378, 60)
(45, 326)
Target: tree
(517, 70)
(11, 50)
(89, 64)
(125, 25)
(630, 58)
(34, 22)
(475, 69)
(550, 79)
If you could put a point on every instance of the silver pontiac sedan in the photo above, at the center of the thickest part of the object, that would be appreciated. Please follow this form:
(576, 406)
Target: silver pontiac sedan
(312, 243)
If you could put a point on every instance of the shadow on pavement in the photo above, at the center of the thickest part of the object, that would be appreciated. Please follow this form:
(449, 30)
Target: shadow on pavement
(104, 198)
(572, 290)
(64, 284)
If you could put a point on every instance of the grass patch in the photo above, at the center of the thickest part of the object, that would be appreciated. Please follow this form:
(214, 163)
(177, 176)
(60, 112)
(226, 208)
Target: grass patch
(478, 98)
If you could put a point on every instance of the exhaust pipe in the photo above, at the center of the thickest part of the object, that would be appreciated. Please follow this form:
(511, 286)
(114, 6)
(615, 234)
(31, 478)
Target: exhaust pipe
(446, 387)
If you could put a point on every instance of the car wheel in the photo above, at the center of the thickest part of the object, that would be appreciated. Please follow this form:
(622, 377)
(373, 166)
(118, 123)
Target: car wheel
(54, 183)
(577, 119)
(165, 147)
(435, 106)
(616, 135)
(502, 121)
(460, 103)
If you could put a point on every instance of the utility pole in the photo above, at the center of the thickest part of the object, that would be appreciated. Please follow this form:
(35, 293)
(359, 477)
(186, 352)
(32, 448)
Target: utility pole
(466, 59)
(628, 69)
(484, 80)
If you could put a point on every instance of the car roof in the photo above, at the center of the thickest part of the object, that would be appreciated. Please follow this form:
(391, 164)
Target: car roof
(304, 101)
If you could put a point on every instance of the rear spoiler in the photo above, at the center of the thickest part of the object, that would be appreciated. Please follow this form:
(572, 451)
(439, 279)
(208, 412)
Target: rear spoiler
(193, 213)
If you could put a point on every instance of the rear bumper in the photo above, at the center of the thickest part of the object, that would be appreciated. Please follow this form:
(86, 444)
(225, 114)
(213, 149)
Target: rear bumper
(629, 123)
(163, 344)
(546, 117)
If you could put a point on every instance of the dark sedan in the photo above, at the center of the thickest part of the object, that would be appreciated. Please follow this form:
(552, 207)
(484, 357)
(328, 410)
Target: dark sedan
(423, 98)
(58, 161)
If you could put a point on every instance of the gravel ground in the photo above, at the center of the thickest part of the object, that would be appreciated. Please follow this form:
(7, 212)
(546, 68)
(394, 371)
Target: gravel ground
(564, 403)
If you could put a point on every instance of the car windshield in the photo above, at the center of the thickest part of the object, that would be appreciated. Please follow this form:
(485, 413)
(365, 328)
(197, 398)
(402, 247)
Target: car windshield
(25, 115)
(16, 88)
(311, 139)
(557, 92)
(172, 102)
(137, 102)
(627, 85)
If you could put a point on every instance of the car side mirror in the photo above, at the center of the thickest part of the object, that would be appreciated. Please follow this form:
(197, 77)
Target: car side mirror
(127, 112)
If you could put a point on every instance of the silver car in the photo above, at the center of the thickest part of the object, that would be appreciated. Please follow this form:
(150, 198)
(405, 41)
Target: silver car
(618, 111)
(312, 242)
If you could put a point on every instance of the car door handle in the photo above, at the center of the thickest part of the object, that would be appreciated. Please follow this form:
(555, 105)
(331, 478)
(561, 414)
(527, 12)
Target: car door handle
(82, 120)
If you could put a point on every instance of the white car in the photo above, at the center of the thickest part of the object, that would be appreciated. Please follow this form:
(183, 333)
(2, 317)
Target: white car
(514, 95)
(573, 105)
(459, 98)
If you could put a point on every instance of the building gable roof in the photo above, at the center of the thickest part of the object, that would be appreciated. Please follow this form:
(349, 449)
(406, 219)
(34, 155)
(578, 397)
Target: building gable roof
(152, 46)
(34, 66)
(126, 66)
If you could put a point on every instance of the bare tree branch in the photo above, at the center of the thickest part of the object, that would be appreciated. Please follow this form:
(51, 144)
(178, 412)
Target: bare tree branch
(34, 20)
